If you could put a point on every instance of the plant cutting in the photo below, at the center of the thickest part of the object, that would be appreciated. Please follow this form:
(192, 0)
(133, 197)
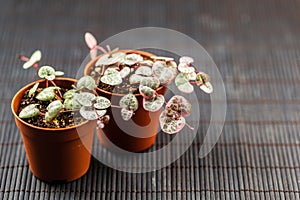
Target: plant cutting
(136, 82)
(56, 118)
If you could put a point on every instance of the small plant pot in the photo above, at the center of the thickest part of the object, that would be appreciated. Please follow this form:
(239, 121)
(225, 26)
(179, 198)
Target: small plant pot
(135, 135)
(55, 155)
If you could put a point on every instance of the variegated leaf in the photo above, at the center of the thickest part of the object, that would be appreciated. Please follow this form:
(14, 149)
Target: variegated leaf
(134, 78)
(207, 87)
(154, 104)
(108, 59)
(71, 104)
(166, 59)
(86, 82)
(69, 94)
(151, 82)
(33, 89)
(47, 72)
(143, 70)
(111, 77)
(35, 57)
(129, 101)
(186, 60)
(47, 94)
(101, 102)
(90, 114)
(184, 68)
(178, 105)
(126, 114)
(164, 73)
(147, 92)
(131, 59)
(53, 110)
(85, 98)
(182, 83)
(171, 125)
(29, 111)
(125, 72)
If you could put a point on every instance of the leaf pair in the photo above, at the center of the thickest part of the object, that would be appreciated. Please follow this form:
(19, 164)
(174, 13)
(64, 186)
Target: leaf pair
(49, 73)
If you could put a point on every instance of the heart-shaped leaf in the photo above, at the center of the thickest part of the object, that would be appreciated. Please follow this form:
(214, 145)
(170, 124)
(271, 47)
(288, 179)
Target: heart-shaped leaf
(101, 102)
(72, 104)
(125, 72)
(90, 40)
(29, 111)
(151, 82)
(108, 59)
(184, 68)
(126, 114)
(69, 94)
(191, 76)
(183, 84)
(47, 94)
(85, 98)
(86, 82)
(147, 92)
(129, 101)
(131, 59)
(144, 70)
(187, 60)
(178, 105)
(47, 72)
(53, 110)
(90, 114)
(33, 89)
(164, 73)
(135, 78)
(207, 87)
(111, 77)
(171, 125)
(35, 57)
(154, 104)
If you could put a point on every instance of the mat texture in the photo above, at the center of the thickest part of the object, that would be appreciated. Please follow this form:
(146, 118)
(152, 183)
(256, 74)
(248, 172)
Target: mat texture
(256, 46)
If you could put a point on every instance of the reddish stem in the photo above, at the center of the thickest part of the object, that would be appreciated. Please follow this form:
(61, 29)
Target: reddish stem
(64, 111)
(100, 48)
(52, 82)
(189, 126)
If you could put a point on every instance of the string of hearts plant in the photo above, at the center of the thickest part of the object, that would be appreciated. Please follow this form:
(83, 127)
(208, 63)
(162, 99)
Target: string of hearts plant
(82, 98)
(115, 67)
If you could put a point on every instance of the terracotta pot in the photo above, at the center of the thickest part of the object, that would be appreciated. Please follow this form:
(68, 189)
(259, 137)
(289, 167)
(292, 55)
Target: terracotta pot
(55, 155)
(135, 135)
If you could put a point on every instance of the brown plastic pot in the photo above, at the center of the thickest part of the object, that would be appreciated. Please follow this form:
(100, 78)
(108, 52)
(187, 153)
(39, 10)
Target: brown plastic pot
(135, 135)
(55, 155)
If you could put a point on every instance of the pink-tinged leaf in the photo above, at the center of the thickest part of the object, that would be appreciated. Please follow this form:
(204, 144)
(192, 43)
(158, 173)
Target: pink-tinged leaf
(154, 104)
(178, 105)
(183, 84)
(147, 92)
(90, 40)
(164, 73)
(35, 57)
(171, 125)
(125, 72)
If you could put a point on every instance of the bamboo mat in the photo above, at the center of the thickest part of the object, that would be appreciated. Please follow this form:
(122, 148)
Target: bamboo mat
(256, 46)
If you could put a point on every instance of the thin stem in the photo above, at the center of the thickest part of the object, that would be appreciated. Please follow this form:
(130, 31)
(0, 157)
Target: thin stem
(114, 106)
(189, 126)
(64, 111)
(23, 58)
(100, 48)
(52, 82)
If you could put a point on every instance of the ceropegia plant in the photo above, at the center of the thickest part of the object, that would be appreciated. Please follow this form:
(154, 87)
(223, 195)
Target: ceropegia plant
(147, 74)
(82, 98)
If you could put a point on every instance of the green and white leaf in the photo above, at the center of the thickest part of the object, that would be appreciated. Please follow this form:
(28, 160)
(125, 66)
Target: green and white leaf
(35, 57)
(111, 77)
(86, 82)
(29, 111)
(47, 94)
(85, 98)
(69, 94)
(191, 76)
(101, 102)
(135, 78)
(125, 72)
(183, 84)
(155, 104)
(107, 59)
(47, 72)
(71, 104)
(184, 68)
(129, 101)
(186, 60)
(33, 89)
(126, 114)
(171, 125)
(144, 70)
(164, 73)
(147, 92)
(207, 87)
(151, 82)
(202, 78)
(131, 59)
(90, 114)
(53, 110)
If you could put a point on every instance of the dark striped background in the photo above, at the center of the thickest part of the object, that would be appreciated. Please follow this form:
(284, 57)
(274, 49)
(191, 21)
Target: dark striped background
(256, 46)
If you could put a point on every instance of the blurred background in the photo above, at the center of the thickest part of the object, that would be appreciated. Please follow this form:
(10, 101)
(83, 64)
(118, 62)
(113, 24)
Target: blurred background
(256, 46)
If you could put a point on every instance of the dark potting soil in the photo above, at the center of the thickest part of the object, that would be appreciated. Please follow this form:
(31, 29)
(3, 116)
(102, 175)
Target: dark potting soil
(63, 120)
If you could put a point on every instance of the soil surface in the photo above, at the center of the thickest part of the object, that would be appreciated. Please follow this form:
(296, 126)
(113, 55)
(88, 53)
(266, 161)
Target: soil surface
(63, 120)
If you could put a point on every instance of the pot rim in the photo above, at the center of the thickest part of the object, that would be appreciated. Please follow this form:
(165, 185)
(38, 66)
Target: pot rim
(143, 53)
(24, 88)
